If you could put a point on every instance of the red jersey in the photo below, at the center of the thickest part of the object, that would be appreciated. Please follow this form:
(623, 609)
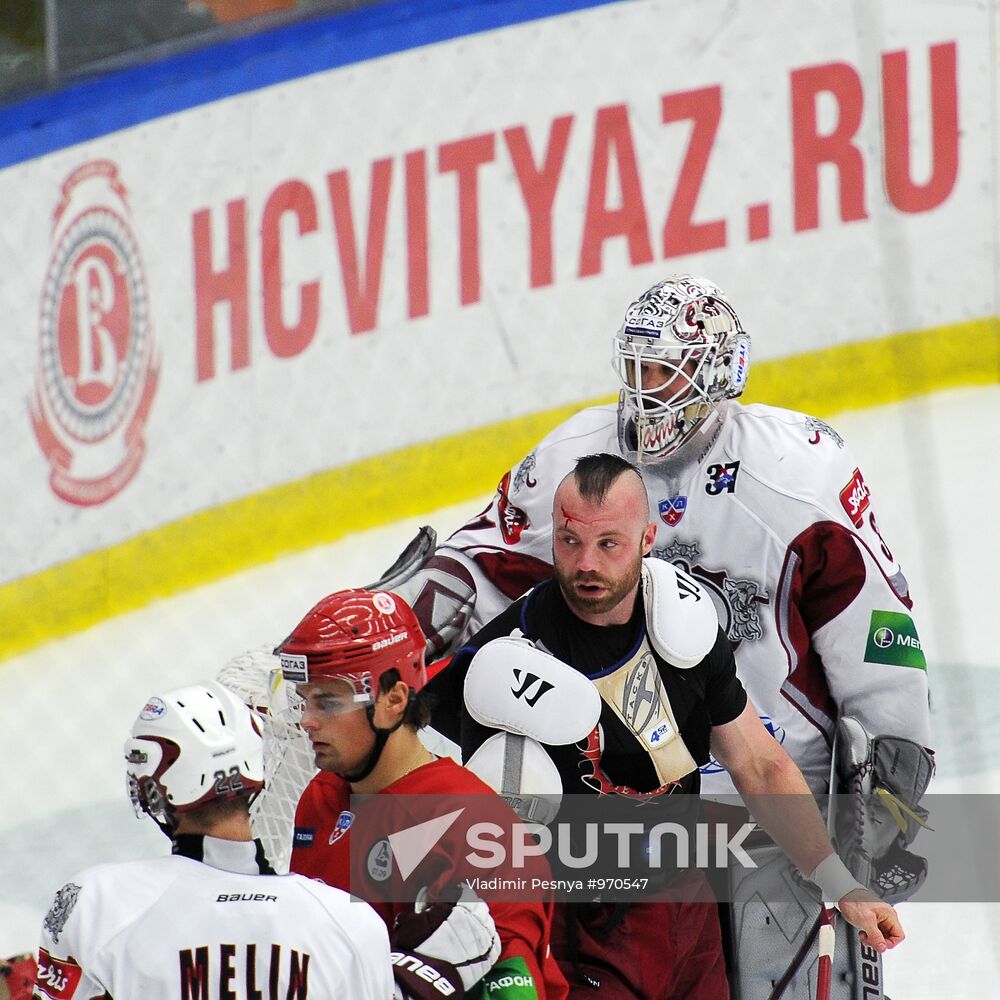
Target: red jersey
(321, 850)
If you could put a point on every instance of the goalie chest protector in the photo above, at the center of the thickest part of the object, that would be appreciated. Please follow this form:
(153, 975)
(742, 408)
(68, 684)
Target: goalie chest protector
(661, 686)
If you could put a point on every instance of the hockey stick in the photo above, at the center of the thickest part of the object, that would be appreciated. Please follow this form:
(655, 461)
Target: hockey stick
(827, 937)
(824, 927)
(828, 914)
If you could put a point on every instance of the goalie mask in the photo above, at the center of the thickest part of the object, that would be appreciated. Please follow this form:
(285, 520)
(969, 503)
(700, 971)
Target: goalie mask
(680, 351)
(191, 747)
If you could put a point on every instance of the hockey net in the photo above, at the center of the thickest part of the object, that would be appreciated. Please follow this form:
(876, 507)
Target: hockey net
(255, 677)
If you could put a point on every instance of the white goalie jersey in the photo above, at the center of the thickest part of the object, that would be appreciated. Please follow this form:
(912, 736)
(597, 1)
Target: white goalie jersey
(174, 927)
(775, 521)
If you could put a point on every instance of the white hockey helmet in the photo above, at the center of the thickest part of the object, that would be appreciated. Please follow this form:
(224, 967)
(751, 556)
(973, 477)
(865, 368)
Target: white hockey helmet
(680, 351)
(190, 747)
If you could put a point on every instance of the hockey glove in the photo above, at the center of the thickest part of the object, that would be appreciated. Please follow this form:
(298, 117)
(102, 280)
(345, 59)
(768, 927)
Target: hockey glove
(877, 815)
(438, 587)
(443, 948)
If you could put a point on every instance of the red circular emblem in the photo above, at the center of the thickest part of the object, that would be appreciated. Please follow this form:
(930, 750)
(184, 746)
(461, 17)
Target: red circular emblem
(97, 368)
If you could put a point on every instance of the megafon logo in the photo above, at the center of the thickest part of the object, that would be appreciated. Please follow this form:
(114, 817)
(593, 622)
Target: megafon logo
(97, 369)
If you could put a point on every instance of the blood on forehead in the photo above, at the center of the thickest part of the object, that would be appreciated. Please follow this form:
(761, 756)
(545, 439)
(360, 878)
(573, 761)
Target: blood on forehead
(599, 517)
(569, 517)
(620, 505)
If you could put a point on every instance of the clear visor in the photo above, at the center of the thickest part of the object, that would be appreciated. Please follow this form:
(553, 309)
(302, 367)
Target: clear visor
(326, 701)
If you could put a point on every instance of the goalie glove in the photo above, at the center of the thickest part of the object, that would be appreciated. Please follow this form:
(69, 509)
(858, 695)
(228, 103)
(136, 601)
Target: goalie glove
(877, 814)
(442, 949)
(438, 587)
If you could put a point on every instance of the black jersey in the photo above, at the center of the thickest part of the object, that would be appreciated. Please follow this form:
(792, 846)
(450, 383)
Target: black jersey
(699, 697)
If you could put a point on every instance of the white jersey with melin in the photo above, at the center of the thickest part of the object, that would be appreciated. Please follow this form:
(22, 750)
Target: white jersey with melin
(770, 513)
(176, 928)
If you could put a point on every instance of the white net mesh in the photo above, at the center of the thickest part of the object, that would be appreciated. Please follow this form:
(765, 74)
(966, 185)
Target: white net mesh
(255, 677)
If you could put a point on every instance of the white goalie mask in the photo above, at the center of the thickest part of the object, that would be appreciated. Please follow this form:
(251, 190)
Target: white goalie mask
(190, 747)
(680, 351)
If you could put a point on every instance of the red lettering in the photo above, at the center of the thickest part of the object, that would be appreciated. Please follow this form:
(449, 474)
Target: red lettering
(417, 247)
(810, 149)
(899, 186)
(227, 285)
(272, 979)
(227, 971)
(613, 140)
(194, 973)
(758, 222)
(287, 339)
(298, 976)
(361, 293)
(251, 973)
(680, 235)
(464, 157)
(538, 187)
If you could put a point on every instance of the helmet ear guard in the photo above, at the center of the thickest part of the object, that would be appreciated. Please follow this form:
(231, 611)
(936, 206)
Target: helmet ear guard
(732, 377)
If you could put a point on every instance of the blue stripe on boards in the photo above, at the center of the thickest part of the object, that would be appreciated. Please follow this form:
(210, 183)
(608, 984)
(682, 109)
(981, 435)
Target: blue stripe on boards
(122, 98)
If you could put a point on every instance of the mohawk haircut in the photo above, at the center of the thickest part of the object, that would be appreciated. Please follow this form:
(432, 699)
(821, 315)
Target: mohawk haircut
(596, 474)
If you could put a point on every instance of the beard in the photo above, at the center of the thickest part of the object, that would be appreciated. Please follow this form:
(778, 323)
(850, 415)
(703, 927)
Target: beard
(616, 589)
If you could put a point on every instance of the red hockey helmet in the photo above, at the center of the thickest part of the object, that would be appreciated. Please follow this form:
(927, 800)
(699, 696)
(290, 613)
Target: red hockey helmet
(356, 635)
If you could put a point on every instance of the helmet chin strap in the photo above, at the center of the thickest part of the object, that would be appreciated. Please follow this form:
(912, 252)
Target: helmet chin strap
(381, 738)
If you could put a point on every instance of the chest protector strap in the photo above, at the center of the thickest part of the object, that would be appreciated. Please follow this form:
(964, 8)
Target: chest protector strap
(635, 693)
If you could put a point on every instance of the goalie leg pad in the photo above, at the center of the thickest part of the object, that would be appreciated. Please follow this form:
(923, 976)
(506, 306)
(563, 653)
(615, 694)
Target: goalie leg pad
(768, 935)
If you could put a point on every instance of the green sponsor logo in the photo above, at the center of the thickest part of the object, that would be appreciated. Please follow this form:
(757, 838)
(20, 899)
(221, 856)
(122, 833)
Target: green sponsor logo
(892, 638)
(507, 980)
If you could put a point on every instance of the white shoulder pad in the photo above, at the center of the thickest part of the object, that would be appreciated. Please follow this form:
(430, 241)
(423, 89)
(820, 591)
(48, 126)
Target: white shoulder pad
(513, 685)
(522, 772)
(680, 616)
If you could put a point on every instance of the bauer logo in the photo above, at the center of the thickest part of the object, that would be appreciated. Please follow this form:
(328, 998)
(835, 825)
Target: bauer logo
(892, 638)
(97, 366)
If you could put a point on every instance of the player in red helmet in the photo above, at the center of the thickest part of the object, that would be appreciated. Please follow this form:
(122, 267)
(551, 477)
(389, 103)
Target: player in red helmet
(357, 663)
(352, 647)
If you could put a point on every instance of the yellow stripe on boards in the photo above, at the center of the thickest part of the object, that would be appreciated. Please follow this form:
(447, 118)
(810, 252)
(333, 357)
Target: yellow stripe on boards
(325, 507)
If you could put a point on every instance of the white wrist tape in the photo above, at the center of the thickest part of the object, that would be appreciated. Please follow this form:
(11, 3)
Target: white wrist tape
(833, 879)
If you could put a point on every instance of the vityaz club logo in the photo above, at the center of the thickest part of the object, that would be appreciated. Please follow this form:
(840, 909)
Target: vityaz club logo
(97, 364)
